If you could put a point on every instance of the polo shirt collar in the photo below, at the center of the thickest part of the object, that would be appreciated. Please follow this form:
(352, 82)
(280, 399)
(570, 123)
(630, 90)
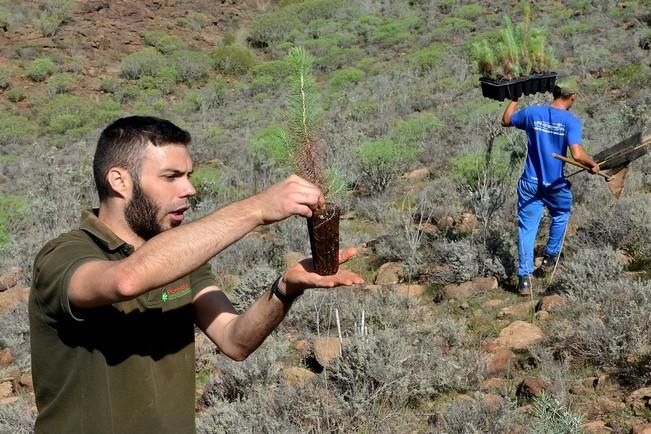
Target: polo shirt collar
(102, 234)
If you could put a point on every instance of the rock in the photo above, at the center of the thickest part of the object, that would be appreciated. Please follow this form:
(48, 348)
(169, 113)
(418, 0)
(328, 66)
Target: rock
(6, 390)
(445, 223)
(501, 362)
(607, 405)
(418, 174)
(9, 401)
(543, 315)
(427, 228)
(467, 223)
(520, 335)
(623, 258)
(640, 400)
(389, 274)
(596, 427)
(465, 290)
(13, 297)
(27, 382)
(302, 346)
(327, 349)
(498, 386)
(644, 428)
(530, 387)
(493, 303)
(520, 310)
(5, 358)
(292, 258)
(407, 290)
(295, 375)
(10, 278)
(550, 303)
(493, 402)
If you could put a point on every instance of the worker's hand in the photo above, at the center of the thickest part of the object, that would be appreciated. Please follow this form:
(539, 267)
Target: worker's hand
(302, 276)
(292, 196)
(595, 169)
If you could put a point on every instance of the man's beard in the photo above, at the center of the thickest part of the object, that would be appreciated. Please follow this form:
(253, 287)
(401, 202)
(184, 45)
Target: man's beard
(142, 214)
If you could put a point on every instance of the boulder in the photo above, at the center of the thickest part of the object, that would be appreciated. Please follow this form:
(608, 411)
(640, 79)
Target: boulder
(418, 174)
(550, 303)
(6, 390)
(389, 274)
(326, 349)
(294, 376)
(10, 278)
(644, 428)
(5, 358)
(530, 387)
(640, 400)
(465, 290)
(501, 361)
(596, 427)
(407, 290)
(13, 297)
(520, 335)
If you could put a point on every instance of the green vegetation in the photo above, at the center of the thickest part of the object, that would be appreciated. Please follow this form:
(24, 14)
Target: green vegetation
(60, 83)
(163, 42)
(15, 129)
(232, 60)
(144, 62)
(382, 160)
(53, 14)
(40, 69)
(12, 207)
(192, 65)
(521, 51)
(551, 416)
(75, 116)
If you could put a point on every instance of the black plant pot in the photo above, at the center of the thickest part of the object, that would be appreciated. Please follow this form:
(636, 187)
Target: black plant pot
(540, 83)
(510, 89)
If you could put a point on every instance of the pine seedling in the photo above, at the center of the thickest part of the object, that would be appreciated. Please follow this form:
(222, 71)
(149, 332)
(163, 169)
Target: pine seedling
(303, 112)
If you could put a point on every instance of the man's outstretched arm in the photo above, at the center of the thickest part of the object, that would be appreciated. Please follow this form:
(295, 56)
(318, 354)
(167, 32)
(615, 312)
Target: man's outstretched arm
(238, 336)
(176, 252)
(579, 154)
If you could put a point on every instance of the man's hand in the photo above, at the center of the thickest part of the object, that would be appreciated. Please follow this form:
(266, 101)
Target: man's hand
(292, 196)
(595, 169)
(302, 276)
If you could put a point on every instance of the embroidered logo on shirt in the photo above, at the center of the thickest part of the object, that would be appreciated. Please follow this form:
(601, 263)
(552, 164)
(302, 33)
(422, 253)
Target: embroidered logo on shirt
(174, 293)
(546, 127)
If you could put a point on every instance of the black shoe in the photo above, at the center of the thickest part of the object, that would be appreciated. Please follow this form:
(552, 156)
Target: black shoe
(548, 263)
(525, 285)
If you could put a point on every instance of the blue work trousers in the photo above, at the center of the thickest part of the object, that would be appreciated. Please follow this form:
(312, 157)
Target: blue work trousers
(532, 198)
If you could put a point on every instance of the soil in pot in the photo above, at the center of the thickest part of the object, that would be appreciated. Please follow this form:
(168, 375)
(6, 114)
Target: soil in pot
(323, 228)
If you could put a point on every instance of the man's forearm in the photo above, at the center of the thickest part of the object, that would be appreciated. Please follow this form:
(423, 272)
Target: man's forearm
(174, 253)
(508, 113)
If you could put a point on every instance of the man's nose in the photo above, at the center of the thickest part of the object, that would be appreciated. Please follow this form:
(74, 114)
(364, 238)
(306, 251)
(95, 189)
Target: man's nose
(188, 189)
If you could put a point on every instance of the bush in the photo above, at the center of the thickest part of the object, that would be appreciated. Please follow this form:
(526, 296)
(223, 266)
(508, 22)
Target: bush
(395, 31)
(109, 85)
(15, 129)
(4, 79)
(53, 14)
(476, 416)
(40, 69)
(232, 60)
(144, 62)
(162, 41)
(381, 160)
(345, 77)
(551, 416)
(75, 116)
(59, 83)
(194, 21)
(427, 59)
(191, 65)
(415, 130)
(11, 210)
(16, 94)
(166, 80)
(17, 418)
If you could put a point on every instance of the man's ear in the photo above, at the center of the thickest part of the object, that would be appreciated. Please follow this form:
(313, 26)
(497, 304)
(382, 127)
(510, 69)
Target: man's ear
(120, 181)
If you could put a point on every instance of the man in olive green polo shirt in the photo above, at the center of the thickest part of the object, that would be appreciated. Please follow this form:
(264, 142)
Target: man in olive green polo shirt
(114, 303)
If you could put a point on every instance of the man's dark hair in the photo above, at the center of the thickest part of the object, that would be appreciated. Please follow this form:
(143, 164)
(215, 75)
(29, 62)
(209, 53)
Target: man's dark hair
(122, 144)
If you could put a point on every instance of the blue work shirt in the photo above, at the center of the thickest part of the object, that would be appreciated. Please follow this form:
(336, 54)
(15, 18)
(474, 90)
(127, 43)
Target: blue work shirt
(549, 130)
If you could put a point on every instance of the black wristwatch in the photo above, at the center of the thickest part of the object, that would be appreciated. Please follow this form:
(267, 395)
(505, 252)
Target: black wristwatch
(286, 299)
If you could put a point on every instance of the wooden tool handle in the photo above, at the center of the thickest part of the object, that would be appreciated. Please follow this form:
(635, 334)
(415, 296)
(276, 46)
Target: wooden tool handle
(577, 164)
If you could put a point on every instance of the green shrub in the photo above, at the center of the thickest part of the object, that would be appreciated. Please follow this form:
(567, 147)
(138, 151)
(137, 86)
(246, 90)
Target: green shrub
(269, 146)
(381, 160)
(144, 62)
(394, 31)
(40, 69)
(232, 60)
(53, 14)
(552, 416)
(163, 42)
(59, 83)
(193, 21)
(429, 58)
(190, 103)
(276, 69)
(276, 26)
(75, 116)
(471, 11)
(191, 65)
(166, 80)
(12, 207)
(413, 131)
(49, 24)
(15, 129)
(16, 94)
(4, 79)
(346, 76)
(109, 85)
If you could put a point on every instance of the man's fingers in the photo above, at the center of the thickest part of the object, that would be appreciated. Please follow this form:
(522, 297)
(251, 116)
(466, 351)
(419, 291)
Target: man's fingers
(346, 254)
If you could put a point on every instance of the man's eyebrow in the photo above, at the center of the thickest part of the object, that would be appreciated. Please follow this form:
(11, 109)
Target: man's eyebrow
(170, 171)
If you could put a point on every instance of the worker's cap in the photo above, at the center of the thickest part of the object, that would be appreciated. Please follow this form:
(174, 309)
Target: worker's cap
(566, 86)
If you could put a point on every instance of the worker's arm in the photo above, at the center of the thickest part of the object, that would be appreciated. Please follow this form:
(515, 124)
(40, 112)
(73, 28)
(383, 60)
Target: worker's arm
(508, 113)
(237, 336)
(579, 154)
(176, 252)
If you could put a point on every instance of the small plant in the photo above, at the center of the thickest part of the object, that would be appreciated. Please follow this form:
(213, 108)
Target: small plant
(519, 51)
(59, 83)
(551, 416)
(232, 59)
(40, 69)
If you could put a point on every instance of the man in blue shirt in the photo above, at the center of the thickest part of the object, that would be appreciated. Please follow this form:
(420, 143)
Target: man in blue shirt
(550, 129)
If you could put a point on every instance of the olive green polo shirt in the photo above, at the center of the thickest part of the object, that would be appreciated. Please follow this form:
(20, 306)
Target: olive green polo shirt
(123, 368)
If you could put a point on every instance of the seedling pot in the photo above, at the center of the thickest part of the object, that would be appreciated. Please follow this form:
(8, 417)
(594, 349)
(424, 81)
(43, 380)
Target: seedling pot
(509, 89)
(323, 229)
